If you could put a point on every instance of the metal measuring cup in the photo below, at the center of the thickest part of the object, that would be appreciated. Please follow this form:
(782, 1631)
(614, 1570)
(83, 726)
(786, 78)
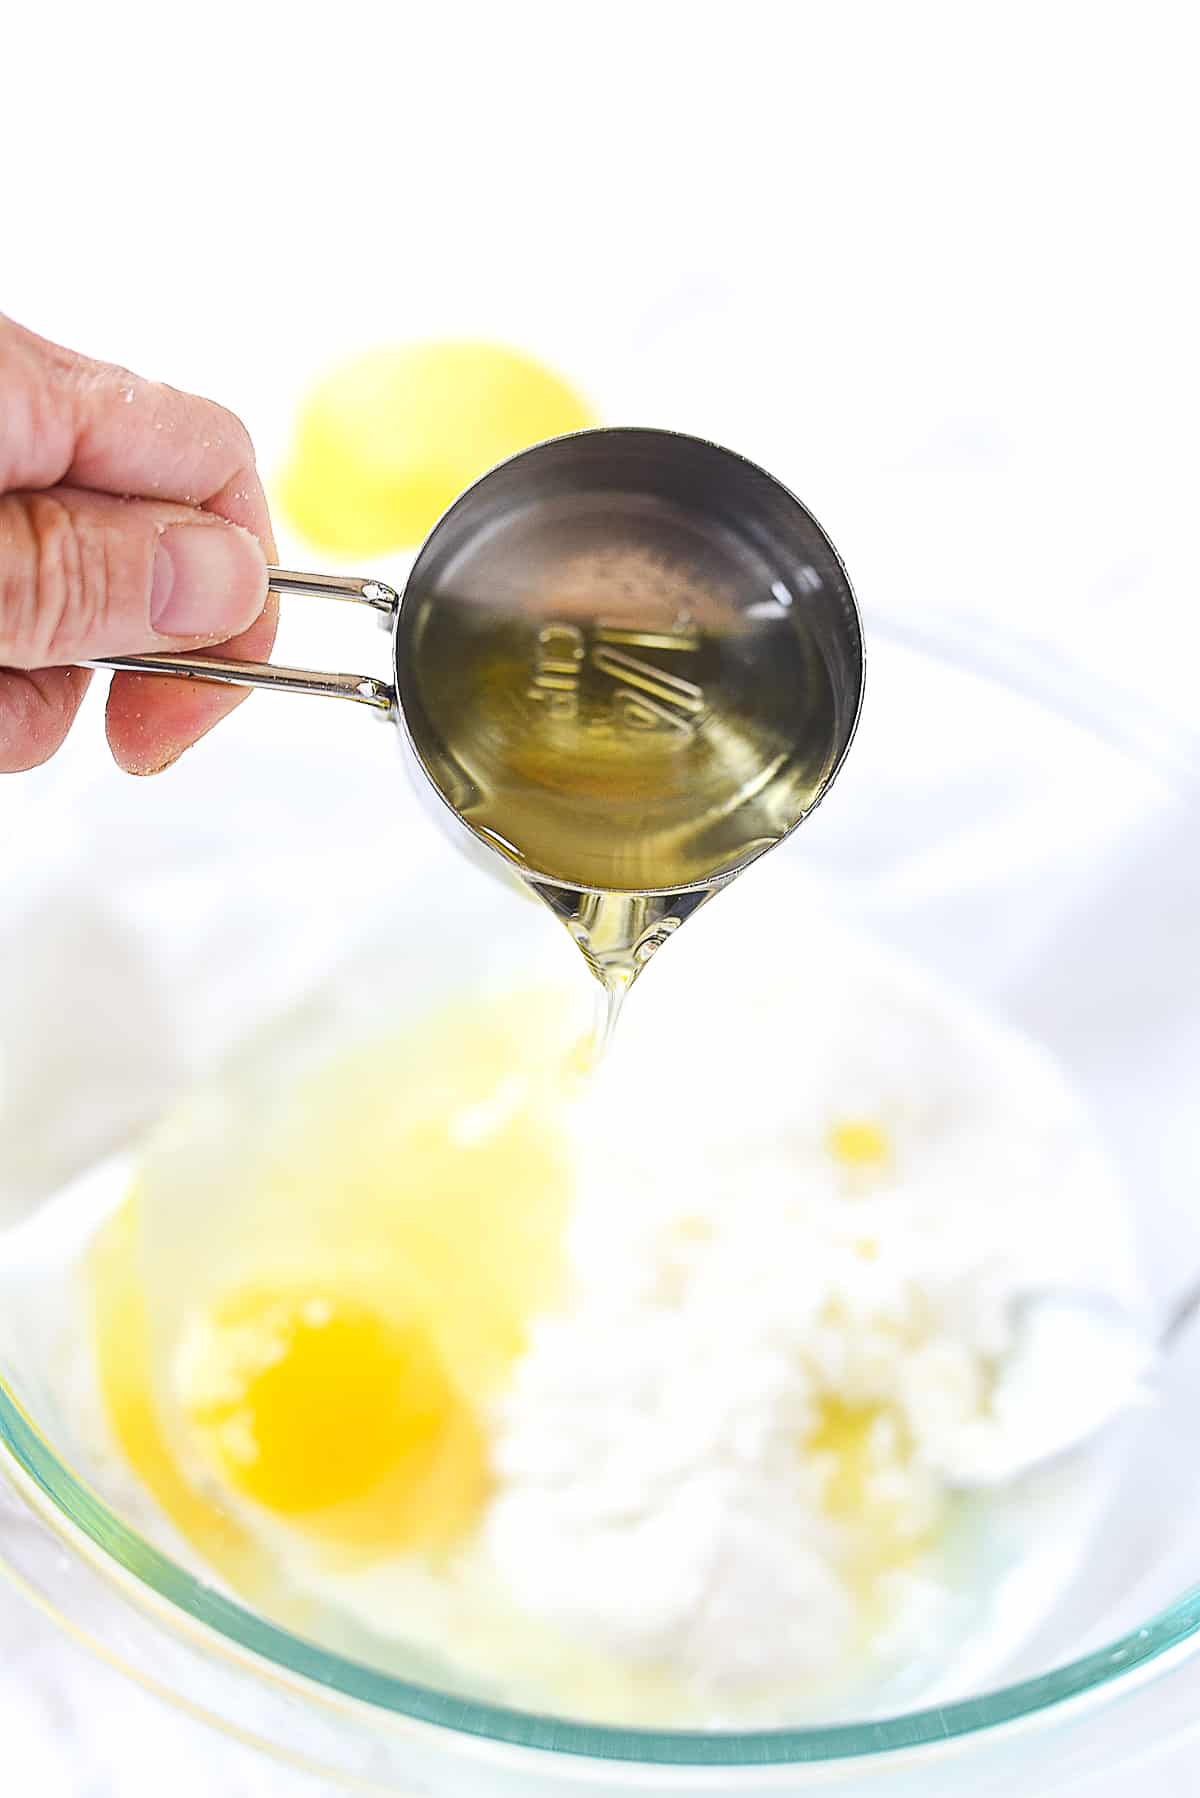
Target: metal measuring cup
(627, 660)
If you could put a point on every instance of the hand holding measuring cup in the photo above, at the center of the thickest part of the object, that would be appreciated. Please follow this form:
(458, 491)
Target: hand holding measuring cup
(132, 519)
(627, 661)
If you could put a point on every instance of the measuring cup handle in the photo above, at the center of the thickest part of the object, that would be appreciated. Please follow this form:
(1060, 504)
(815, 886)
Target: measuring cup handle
(364, 689)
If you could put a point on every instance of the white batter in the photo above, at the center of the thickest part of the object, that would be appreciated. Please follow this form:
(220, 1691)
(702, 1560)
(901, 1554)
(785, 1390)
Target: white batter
(810, 1188)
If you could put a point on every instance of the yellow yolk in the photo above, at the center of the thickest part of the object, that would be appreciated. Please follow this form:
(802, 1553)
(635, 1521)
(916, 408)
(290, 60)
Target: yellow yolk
(308, 1316)
(386, 442)
(858, 1143)
(315, 1406)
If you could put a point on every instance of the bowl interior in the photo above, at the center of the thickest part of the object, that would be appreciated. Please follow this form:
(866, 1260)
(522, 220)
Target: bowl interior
(1041, 866)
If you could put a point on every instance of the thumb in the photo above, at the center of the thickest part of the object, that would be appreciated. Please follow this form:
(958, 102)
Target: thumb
(84, 575)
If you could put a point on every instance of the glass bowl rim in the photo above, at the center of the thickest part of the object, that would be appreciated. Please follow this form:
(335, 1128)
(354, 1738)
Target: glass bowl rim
(1116, 717)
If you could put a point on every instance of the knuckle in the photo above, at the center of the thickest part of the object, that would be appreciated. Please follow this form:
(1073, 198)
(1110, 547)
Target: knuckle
(54, 590)
(84, 371)
(87, 385)
(16, 582)
(33, 448)
(232, 435)
(9, 345)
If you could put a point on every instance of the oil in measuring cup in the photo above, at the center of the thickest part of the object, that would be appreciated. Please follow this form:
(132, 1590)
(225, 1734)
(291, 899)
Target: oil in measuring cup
(618, 717)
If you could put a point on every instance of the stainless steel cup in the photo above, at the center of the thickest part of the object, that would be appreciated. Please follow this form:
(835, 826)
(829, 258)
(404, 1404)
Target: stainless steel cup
(626, 660)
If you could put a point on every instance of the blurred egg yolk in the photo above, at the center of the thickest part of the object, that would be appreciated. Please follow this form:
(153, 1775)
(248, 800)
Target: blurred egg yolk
(858, 1143)
(327, 1360)
(316, 1406)
(386, 442)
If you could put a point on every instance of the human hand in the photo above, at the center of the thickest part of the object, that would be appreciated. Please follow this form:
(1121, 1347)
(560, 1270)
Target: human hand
(132, 519)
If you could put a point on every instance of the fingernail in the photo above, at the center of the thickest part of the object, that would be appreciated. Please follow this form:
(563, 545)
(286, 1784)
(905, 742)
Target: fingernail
(150, 769)
(210, 580)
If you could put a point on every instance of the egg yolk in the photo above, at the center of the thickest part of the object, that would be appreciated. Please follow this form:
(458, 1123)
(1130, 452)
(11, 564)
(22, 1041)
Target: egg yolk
(323, 1410)
(385, 442)
(858, 1143)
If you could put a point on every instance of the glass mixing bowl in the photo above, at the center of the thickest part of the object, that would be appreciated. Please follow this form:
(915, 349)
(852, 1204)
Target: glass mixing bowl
(1026, 835)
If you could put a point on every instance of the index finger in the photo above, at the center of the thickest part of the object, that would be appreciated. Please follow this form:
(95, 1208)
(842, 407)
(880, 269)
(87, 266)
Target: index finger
(67, 419)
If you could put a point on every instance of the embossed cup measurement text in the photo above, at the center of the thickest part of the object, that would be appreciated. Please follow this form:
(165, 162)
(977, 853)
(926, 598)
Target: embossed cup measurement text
(644, 696)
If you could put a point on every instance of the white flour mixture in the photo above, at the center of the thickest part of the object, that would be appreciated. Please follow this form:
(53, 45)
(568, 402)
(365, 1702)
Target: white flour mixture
(725, 1467)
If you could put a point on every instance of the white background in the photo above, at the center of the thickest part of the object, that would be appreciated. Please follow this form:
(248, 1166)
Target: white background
(935, 265)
